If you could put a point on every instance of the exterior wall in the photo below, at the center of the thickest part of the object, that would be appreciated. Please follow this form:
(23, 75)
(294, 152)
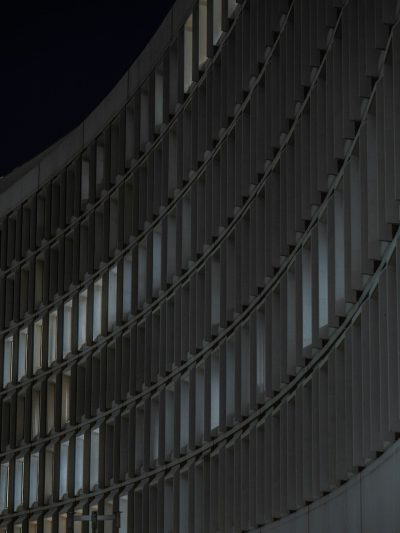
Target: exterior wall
(199, 322)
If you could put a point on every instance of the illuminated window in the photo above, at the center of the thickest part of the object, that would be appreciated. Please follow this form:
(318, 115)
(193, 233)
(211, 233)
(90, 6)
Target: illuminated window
(214, 390)
(184, 412)
(200, 407)
(127, 289)
(323, 273)
(202, 32)
(188, 54)
(82, 318)
(50, 403)
(65, 397)
(112, 297)
(217, 20)
(35, 421)
(49, 472)
(52, 350)
(48, 525)
(4, 472)
(8, 359)
(18, 482)
(231, 7)
(33, 478)
(79, 448)
(22, 352)
(67, 328)
(156, 261)
(158, 100)
(123, 509)
(94, 457)
(37, 345)
(97, 303)
(154, 428)
(64, 448)
(307, 297)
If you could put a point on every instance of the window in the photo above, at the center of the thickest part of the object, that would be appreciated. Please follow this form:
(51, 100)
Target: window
(245, 369)
(154, 429)
(261, 351)
(188, 54)
(217, 21)
(48, 525)
(200, 407)
(82, 322)
(37, 344)
(156, 261)
(231, 7)
(139, 437)
(94, 457)
(65, 397)
(202, 32)
(39, 281)
(169, 421)
(52, 349)
(215, 292)
(230, 381)
(48, 472)
(112, 297)
(20, 418)
(50, 403)
(158, 99)
(35, 419)
(184, 412)
(323, 272)
(307, 299)
(67, 328)
(64, 448)
(97, 303)
(215, 390)
(4, 472)
(18, 482)
(142, 273)
(8, 359)
(79, 447)
(33, 527)
(34, 478)
(99, 165)
(127, 296)
(123, 509)
(22, 352)
(184, 502)
(85, 181)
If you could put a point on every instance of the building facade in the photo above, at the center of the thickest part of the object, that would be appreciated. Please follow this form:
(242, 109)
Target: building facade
(200, 317)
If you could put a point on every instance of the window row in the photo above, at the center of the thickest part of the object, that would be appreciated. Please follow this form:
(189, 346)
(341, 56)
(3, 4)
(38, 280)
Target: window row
(108, 157)
(308, 444)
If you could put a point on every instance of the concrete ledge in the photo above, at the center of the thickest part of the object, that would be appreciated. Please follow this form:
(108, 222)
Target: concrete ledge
(60, 154)
(105, 111)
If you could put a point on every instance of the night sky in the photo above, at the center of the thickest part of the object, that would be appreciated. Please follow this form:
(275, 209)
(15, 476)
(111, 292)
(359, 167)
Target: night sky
(58, 61)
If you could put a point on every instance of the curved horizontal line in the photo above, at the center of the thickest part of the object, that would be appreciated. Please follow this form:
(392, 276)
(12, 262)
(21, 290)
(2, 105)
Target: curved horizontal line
(302, 374)
(138, 163)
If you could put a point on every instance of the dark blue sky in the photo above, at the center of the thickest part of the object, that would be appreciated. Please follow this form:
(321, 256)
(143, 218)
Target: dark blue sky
(58, 61)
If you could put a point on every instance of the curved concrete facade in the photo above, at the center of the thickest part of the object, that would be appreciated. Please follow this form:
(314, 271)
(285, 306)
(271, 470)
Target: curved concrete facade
(199, 322)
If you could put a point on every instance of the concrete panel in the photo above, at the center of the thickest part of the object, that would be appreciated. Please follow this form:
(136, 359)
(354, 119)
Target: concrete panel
(380, 489)
(18, 191)
(339, 511)
(60, 154)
